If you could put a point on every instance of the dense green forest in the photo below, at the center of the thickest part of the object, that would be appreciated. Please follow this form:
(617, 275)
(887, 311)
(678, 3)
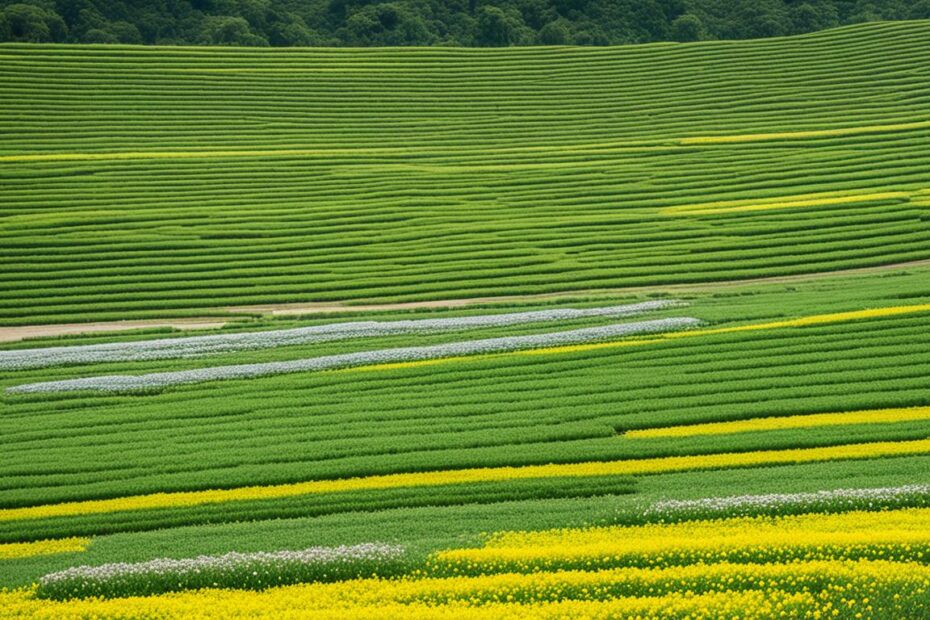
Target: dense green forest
(430, 22)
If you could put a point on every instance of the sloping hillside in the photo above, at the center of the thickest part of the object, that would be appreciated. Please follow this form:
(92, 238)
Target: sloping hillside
(706, 394)
(141, 182)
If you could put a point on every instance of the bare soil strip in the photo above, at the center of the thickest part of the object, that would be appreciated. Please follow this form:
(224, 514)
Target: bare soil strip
(17, 333)
(301, 308)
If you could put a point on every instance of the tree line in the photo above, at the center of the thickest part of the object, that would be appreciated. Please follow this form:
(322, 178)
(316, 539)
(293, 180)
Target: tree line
(431, 22)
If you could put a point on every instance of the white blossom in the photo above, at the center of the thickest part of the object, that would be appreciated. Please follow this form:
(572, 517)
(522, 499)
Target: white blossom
(774, 502)
(123, 383)
(228, 562)
(232, 570)
(196, 346)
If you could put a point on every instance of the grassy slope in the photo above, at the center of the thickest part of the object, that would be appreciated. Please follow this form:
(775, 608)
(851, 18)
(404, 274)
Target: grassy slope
(205, 177)
(498, 411)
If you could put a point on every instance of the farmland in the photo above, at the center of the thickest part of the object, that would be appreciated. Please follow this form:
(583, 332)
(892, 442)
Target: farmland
(669, 354)
(165, 179)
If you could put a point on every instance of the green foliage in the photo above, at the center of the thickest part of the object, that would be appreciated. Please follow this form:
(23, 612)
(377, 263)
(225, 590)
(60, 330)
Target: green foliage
(920, 10)
(31, 24)
(429, 22)
(554, 33)
(687, 28)
(809, 17)
(499, 27)
(388, 24)
(230, 31)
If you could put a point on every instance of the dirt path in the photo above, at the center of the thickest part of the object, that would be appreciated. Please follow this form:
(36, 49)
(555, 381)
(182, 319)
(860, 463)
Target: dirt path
(14, 334)
(291, 309)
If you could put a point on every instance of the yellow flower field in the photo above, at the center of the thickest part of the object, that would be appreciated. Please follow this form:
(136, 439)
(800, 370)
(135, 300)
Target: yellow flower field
(711, 540)
(298, 602)
(797, 589)
(42, 547)
(813, 420)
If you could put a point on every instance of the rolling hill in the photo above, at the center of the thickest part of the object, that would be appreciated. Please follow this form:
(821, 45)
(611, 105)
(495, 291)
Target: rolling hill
(620, 332)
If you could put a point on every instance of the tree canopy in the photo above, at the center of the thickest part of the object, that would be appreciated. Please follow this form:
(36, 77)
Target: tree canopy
(431, 22)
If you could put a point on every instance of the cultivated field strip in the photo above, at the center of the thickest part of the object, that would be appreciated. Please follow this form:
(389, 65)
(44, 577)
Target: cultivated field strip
(156, 501)
(813, 420)
(229, 570)
(835, 500)
(127, 383)
(196, 346)
(855, 534)
(485, 413)
(43, 547)
(168, 182)
(807, 565)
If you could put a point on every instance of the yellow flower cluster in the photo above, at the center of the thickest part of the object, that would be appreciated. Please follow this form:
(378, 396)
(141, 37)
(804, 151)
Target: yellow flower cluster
(483, 474)
(42, 547)
(812, 589)
(517, 575)
(904, 532)
(872, 416)
(806, 200)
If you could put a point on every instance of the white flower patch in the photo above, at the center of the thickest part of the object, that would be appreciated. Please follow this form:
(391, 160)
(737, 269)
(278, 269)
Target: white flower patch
(123, 383)
(775, 502)
(254, 571)
(196, 346)
(228, 562)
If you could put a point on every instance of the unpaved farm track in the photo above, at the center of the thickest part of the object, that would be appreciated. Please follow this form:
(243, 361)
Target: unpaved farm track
(17, 333)
(289, 309)
(22, 332)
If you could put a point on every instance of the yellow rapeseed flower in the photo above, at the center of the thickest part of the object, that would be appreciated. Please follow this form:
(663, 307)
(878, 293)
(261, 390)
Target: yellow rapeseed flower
(699, 591)
(474, 475)
(552, 595)
(42, 547)
(708, 540)
(871, 416)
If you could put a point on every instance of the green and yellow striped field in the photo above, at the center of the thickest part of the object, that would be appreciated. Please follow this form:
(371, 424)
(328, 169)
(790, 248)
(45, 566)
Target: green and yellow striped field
(769, 456)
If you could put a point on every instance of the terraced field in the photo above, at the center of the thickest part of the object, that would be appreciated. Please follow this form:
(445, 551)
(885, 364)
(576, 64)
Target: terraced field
(140, 182)
(749, 450)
